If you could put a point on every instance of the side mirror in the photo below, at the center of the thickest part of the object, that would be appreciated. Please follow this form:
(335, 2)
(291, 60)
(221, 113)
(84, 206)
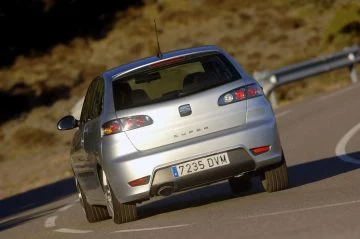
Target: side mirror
(68, 122)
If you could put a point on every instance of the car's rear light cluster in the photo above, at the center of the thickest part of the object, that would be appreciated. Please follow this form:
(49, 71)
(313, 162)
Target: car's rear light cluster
(239, 94)
(126, 124)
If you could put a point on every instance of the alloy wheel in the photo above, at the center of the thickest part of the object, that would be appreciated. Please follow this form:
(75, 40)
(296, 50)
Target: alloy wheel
(108, 196)
(79, 195)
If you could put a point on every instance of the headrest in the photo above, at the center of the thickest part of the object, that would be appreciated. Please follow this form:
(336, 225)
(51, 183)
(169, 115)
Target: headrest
(139, 96)
(123, 87)
(199, 79)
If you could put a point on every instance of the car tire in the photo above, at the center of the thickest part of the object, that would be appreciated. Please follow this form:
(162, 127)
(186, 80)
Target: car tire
(240, 184)
(123, 212)
(275, 178)
(93, 213)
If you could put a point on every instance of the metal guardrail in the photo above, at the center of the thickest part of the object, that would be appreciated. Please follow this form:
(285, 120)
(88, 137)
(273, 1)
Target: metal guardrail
(270, 80)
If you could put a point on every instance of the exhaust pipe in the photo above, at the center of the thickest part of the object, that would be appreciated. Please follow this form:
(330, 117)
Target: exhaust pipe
(166, 190)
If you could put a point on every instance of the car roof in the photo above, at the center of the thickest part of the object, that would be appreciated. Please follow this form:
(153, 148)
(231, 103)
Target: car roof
(122, 69)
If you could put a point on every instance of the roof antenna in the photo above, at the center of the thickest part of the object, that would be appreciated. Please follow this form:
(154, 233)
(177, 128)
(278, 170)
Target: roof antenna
(158, 54)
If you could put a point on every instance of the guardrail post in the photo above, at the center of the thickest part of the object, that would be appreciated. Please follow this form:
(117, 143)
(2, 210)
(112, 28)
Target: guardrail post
(352, 68)
(273, 99)
(353, 73)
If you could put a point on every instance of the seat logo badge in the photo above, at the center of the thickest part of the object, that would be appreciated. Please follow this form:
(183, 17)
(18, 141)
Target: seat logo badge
(185, 110)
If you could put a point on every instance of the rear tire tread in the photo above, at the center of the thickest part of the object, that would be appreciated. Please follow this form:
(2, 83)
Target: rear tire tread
(123, 212)
(276, 179)
(93, 213)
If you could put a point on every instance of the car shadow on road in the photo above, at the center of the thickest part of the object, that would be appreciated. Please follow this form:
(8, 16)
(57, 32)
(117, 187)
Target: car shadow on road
(36, 197)
(314, 171)
(299, 175)
(17, 220)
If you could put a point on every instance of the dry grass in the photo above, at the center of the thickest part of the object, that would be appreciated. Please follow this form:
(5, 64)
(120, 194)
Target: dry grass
(34, 137)
(259, 34)
(312, 86)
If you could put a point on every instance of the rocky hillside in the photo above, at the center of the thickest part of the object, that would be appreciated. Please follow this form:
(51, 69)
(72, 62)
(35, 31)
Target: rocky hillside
(41, 81)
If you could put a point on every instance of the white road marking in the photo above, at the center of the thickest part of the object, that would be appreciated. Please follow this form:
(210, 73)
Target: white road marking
(283, 113)
(64, 208)
(50, 222)
(72, 231)
(338, 92)
(340, 149)
(301, 210)
(151, 228)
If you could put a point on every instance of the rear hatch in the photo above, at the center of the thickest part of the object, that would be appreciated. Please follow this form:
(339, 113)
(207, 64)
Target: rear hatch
(181, 97)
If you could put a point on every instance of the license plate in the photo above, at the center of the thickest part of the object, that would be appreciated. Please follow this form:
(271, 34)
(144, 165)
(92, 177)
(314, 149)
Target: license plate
(199, 165)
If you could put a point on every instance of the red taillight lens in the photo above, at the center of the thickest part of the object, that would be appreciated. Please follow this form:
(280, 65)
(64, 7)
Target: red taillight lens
(134, 122)
(125, 124)
(140, 181)
(140, 120)
(260, 150)
(253, 91)
(239, 94)
(112, 127)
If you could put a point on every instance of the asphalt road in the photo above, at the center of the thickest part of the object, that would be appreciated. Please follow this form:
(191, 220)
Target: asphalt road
(321, 141)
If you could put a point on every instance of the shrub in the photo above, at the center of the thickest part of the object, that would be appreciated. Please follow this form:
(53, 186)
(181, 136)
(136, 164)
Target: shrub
(344, 26)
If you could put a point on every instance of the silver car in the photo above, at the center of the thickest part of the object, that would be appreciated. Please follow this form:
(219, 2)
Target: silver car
(169, 123)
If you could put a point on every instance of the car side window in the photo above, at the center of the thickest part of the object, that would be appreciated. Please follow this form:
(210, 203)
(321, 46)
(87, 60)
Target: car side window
(86, 109)
(98, 99)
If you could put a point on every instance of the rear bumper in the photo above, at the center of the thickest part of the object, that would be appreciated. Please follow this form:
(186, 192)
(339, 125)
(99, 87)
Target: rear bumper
(240, 162)
(156, 163)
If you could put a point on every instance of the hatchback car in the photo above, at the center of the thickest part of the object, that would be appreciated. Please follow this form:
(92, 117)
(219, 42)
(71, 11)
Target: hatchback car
(168, 123)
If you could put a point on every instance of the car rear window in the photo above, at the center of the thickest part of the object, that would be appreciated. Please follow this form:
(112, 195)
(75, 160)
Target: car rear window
(172, 79)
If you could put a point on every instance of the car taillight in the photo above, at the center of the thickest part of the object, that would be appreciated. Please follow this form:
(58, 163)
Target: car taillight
(126, 124)
(112, 127)
(239, 94)
(253, 91)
